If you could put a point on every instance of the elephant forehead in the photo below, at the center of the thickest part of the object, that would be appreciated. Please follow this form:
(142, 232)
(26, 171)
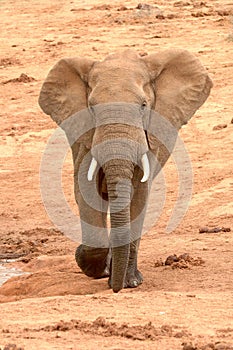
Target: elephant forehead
(123, 92)
(120, 71)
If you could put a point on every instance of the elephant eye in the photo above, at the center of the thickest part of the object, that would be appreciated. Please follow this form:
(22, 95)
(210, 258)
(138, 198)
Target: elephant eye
(143, 105)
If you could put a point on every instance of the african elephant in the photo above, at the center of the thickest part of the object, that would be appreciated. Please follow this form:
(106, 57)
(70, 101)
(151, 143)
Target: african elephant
(124, 98)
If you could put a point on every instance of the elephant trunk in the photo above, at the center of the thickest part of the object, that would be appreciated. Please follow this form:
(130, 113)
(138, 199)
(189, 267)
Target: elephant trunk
(119, 193)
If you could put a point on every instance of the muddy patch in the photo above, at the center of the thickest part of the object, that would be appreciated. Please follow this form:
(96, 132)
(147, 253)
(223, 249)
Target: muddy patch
(7, 272)
(29, 244)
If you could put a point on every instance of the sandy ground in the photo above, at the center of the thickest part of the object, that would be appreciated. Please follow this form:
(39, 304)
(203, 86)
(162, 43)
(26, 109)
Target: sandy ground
(187, 305)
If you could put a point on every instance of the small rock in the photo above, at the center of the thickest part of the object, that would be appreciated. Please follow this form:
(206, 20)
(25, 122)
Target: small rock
(16, 217)
(223, 346)
(181, 3)
(171, 259)
(15, 127)
(203, 230)
(156, 36)
(180, 334)
(5, 331)
(143, 7)
(4, 62)
(166, 329)
(171, 15)
(103, 7)
(214, 229)
(185, 257)
(199, 4)
(158, 263)
(220, 126)
(25, 260)
(118, 21)
(181, 264)
(12, 133)
(223, 12)
(12, 347)
(160, 16)
(232, 121)
(48, 40)
(189, 346)
(209, 346)
(197, 14)
(122, 8)
(143, 53)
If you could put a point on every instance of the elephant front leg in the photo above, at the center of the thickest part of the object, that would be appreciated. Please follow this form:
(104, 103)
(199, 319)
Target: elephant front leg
(93, 255)
(133, 276)
(94, 262)
(137, 212)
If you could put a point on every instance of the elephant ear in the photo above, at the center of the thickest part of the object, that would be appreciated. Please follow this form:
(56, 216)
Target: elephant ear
(181, 84)
(64, 93)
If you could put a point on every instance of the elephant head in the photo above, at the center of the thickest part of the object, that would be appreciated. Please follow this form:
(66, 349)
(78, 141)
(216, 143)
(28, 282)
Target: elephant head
(122, 96)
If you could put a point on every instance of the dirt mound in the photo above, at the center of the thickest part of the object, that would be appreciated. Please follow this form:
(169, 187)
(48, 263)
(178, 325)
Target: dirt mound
(183, 261)
(109, 329)
(214, 229)
(32, 243)
(209, 346)
(8, 61)
(12, 347)
(23, 78)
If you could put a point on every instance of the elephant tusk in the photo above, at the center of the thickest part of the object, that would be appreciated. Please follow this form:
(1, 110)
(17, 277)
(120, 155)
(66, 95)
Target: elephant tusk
(92, 169)
(146, 168)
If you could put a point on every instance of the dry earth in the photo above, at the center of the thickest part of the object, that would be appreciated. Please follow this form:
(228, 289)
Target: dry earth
(187, 305)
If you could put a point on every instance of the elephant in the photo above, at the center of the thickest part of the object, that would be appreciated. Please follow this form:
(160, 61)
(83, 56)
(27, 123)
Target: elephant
(129, 109)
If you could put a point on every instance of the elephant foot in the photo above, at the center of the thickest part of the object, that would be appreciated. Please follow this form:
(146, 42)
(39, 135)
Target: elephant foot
(133, 279)
(94, 262)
